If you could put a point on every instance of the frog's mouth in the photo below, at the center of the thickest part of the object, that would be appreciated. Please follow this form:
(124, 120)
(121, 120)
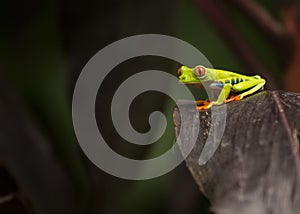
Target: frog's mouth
(186, 79)
(193, 84)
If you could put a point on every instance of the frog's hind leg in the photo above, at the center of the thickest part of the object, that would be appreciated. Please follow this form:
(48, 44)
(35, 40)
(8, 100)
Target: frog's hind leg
(254, 84)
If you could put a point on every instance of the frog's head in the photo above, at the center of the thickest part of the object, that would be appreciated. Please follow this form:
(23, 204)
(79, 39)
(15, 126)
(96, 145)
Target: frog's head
(193, 75)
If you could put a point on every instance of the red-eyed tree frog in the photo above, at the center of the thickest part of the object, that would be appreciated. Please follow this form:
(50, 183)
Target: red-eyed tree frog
(217, 79)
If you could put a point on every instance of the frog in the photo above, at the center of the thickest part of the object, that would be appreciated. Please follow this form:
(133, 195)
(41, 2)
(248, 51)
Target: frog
(227, 82)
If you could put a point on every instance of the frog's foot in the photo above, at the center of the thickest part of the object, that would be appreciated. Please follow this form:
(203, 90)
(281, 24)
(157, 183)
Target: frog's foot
(199, 108)
(202, 102)
(232, 98)
(202, 105)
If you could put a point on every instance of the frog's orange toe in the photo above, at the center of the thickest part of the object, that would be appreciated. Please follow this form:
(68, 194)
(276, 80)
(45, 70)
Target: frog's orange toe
(233, 98)
(199, 108)
(237, 98)
(202, 102)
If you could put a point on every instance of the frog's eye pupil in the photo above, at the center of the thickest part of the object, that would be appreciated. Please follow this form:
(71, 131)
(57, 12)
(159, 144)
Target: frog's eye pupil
(179, 71)
(199, 71)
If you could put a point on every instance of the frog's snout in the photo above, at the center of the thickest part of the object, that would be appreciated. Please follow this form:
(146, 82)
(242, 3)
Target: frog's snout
(186, 75)
(182, 77)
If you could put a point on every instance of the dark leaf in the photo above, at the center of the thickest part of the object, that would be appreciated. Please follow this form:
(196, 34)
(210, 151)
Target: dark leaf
(26, 153)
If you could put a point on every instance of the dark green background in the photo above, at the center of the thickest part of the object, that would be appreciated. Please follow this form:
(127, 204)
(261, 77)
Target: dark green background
(45, 44)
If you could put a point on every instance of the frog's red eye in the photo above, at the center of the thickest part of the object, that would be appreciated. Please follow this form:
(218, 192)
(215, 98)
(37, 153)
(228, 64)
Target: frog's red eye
(199, 71)
(179, 71)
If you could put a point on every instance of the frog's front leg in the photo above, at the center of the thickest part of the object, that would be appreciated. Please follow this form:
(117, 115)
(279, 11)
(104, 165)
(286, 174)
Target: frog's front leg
(226, 88)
